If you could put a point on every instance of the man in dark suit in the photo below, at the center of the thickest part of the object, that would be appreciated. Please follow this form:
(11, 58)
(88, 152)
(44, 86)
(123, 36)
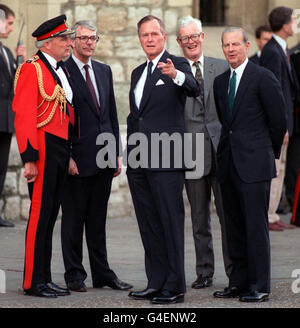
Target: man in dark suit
(262, 34)
(7, 73)
(88, 186)
(275, 57)
(250, 106)
(157, 98)
(201, 117)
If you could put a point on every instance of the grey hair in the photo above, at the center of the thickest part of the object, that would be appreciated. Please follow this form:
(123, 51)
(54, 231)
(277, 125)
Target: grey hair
(234, 29)
(39, 44)
(85, 23)
(184, 21)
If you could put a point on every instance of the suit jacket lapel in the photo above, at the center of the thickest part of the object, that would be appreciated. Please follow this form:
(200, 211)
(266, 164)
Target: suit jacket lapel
(224, 96)
(78, 80)
(243, 86)
(208, 77)
(100, 85)
(50, 68)
(153, 79)
(134, 80)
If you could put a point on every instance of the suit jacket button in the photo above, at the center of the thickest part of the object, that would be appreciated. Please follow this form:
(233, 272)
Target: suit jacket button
(230, 131)
(140, 119)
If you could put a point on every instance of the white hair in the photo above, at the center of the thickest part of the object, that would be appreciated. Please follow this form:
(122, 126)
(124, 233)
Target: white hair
(234, 29)
(85, 23)
(184, 21)
(39, 44)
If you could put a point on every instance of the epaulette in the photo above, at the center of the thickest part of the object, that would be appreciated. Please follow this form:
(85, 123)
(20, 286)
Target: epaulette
(33, 59)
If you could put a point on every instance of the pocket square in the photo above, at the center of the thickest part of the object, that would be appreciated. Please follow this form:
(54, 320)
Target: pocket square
(159, 82)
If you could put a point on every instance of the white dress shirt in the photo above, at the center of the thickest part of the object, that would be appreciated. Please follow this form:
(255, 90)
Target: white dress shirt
(62, 76)
(239, 72)
(139, 88)
(80, 65)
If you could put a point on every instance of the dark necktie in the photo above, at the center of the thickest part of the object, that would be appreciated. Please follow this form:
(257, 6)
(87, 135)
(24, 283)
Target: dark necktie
(91, 87)
(59, 64)
(4, 57)
(149, 72)
(199, 78)
(231, 95)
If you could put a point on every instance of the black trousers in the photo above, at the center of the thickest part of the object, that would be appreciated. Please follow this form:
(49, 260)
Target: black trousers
(246, 220)
(84, 205)
(5, 141)
(158, 202)
(45, 194)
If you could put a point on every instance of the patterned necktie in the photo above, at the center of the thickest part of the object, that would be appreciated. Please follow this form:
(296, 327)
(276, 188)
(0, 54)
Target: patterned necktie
(91, 87)
(199, 78)
(232, 86)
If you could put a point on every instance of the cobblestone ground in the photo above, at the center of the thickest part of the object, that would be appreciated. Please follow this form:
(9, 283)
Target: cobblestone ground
(126, 259)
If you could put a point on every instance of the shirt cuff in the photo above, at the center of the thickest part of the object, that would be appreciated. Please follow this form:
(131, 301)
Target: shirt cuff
(180, 78)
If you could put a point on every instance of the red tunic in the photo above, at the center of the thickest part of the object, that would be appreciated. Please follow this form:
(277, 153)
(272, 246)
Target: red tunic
(31, 109)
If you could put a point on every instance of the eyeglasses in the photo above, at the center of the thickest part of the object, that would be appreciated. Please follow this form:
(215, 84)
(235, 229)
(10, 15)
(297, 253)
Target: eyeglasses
(194, 37)
(85, 38)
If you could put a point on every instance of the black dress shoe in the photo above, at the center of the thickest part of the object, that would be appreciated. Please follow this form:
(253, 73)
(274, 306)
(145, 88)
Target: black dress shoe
(168, 297)
(229, 292)
(145, 294)
(202, 282)
(115, 284)
(40, 290)
(60, 291)
(6, 224)
(254, 296)
(76, 286)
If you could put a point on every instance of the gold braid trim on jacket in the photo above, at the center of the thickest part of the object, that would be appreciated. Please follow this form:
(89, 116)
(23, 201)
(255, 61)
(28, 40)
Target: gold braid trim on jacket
(58, 94)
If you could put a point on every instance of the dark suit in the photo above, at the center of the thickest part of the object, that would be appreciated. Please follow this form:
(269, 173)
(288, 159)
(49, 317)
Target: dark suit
(202, 118)
(254, 59)
(86, 195)
(275, 59)
(6, 113)
(157, 193)
(249, 143)
(293, 151)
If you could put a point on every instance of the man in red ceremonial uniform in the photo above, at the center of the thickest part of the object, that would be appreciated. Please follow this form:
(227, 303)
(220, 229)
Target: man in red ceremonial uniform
(43, 111)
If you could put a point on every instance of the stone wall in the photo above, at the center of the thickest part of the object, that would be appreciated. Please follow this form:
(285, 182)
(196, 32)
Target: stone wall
(119, 47)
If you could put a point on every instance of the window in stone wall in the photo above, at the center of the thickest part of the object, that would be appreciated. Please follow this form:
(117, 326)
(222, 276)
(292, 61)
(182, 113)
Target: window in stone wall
(212, 12)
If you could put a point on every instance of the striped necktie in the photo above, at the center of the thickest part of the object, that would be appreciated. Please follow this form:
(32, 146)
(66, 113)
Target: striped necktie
(199, 78)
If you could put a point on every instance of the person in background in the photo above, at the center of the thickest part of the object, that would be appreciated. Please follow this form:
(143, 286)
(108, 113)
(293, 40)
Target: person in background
(7, 74)
(263, 34)
(275, 57)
